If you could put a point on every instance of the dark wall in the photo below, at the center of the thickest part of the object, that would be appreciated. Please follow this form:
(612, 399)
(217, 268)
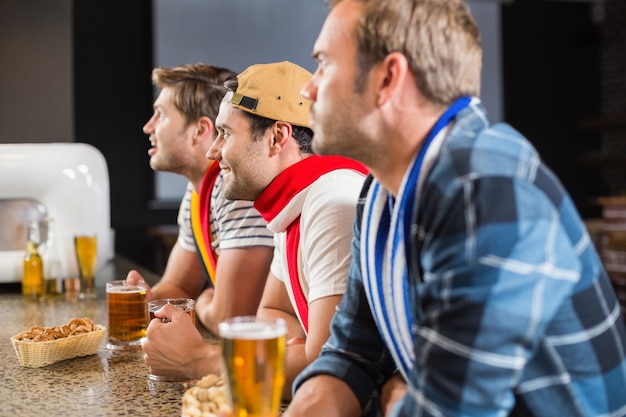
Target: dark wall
(551, 60)
(551, 64)
(113, 99)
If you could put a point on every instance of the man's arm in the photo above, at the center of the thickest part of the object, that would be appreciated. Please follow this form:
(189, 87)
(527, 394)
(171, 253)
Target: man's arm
(183, 276)
(354, 356)
(299, 356)
(303, 349)
(324, 395)
(239, 282)
(275, 303)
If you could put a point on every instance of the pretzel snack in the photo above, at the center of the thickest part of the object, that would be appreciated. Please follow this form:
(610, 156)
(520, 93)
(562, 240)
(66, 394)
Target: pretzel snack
(206, 399)
(40, 346)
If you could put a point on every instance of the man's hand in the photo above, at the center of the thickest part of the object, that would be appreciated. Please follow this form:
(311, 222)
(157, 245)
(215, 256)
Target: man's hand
(393, 390)
(206, 297)
(324, 395)
(204, 309)
(135, 278)
(296, 341)
(174, 347)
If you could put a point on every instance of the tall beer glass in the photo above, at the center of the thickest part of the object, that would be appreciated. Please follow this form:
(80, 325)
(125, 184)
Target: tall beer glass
(253, 354)
(86, 247)
(128, 315)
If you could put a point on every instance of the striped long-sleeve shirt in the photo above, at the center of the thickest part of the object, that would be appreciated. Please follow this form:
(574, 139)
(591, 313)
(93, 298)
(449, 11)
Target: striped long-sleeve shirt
(234, 224)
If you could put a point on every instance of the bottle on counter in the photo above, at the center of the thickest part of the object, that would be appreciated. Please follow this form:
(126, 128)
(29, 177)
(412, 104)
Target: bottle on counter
(33, 284)
(52, 261)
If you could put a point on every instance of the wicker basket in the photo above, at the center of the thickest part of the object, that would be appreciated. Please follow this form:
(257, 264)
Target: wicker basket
(37, 354)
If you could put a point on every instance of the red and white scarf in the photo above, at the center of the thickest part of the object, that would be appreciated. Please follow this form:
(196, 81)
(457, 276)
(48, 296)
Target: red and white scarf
(281, 206)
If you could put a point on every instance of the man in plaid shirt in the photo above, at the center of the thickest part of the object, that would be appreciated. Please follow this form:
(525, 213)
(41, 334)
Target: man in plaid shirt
(475, 289)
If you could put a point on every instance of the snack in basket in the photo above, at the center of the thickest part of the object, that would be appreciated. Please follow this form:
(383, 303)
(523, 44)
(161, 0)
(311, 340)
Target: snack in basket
(42, 334)
(40, 346)
(206, 399)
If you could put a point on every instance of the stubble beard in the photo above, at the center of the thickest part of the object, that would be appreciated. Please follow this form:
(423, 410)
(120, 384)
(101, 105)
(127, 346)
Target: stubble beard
(234, 191)
(343, 139)
(327, 140)
(158, 164)
(165, 165)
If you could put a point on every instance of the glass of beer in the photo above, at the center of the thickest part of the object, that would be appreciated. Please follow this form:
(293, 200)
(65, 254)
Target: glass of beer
(188, 305)
(185, 304)
(128, 315)
(86, 247)
(253, 355)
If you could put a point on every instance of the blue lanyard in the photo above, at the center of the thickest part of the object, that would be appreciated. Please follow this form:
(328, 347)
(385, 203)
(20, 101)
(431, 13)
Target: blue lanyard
(404, 221)
(408, 197)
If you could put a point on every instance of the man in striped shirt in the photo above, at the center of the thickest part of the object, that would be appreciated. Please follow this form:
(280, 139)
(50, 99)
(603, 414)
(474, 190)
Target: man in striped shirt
(224, 249)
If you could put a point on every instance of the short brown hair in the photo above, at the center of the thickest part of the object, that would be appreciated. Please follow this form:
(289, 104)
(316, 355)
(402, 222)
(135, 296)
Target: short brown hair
(197, 89)
(439, 38)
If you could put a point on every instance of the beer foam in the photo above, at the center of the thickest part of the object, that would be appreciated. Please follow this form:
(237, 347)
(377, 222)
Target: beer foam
(252, 330)
(126, 290)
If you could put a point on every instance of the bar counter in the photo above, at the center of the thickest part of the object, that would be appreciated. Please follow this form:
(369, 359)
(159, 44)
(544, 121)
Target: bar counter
(109, 383)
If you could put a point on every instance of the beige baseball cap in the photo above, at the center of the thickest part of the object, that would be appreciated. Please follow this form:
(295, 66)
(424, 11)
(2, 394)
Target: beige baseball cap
(273, 91)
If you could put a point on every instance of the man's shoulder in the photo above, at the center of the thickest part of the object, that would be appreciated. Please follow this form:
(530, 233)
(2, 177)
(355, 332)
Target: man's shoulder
(338, 180)
(475, 149)
(336, 186)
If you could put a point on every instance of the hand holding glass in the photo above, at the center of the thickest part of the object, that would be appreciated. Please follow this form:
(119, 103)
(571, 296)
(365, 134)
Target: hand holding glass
(188, 305)
(253, 354)
(86, 247)
(184, 304)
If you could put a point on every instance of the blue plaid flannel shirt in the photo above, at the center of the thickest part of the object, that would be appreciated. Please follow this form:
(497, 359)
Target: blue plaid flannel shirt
(514, 314)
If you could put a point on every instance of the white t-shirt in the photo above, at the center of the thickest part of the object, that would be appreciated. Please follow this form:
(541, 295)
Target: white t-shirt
(328, 210)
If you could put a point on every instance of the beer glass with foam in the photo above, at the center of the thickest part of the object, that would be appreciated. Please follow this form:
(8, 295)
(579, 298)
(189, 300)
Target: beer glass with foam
(86, 247)
(128, 314)
(253, 355)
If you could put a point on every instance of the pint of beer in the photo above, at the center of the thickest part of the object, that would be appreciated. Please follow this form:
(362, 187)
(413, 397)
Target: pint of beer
(253, 353)
(128, 314)
(86, 247)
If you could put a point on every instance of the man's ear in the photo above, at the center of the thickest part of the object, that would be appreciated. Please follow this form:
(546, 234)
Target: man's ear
(205, 129)
(280, 135)
(390, 76)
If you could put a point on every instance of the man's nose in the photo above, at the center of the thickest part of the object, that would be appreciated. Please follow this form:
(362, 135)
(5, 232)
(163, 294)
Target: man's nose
(148, 128)
(214, 152)
(308, 91)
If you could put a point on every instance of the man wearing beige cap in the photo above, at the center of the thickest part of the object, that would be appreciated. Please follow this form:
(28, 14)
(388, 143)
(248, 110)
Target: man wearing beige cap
(309, 201)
